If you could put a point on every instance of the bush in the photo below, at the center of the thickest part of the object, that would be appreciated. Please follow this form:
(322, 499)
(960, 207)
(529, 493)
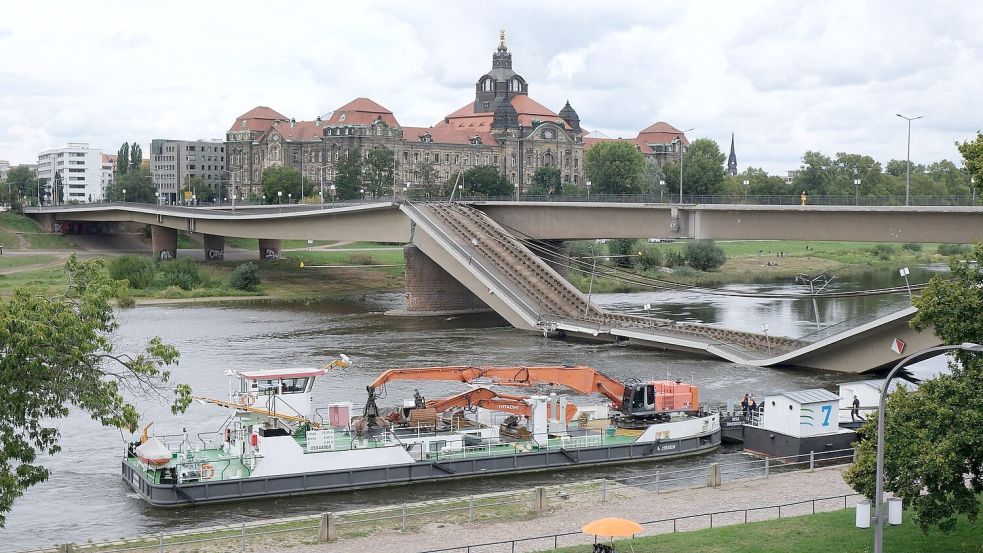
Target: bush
(953, 249)
(651, 258)
(125, 300)
(182, 273)
(912, 247)
(704, 255)
(674, 258)
(137, 270)
(245, 277)
(623, 249)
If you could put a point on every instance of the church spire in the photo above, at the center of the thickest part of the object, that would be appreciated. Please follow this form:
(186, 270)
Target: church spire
(732, 159)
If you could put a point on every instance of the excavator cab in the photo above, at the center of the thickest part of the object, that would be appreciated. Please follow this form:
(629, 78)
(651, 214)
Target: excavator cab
(657, 399)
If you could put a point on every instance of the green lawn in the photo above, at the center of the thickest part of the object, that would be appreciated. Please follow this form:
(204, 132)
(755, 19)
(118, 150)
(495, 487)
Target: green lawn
(353, 259)
(253, 243)
(52, 277)
(18, 222)
(9, 240)
(820, 533)
(47, 241)
(365, 245)
(10, 261)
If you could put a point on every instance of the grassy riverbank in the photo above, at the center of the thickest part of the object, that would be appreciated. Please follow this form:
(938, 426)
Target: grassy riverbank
(819, 533)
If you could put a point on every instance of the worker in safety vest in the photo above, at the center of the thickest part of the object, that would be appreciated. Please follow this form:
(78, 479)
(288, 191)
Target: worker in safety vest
(804, 197)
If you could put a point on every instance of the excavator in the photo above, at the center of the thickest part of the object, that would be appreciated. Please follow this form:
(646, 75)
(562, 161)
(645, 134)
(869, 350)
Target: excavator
(494, 401)
(642, 401)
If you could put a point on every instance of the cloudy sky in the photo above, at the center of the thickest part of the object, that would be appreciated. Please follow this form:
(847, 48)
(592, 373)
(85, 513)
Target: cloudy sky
(785, 76)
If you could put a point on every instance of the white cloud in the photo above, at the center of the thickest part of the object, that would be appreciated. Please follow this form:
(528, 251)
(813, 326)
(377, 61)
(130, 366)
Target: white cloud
(785, 76)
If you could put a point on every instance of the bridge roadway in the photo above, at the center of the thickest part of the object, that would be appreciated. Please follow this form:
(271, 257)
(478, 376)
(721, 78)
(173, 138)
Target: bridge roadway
(477, 247)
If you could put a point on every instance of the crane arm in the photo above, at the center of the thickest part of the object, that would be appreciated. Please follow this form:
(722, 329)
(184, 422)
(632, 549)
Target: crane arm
(581, 379)
(495, 401)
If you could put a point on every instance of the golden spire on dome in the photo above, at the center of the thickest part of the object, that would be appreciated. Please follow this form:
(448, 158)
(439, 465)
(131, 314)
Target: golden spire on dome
(501, 39)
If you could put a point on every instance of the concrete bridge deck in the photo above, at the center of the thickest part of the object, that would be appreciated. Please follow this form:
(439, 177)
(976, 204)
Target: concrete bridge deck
(476, 246)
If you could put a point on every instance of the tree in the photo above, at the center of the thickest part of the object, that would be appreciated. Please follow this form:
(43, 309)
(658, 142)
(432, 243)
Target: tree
(427, 175)
(933, 457)
(22, 183)
(201, 190)
(615, 167)
(280, 179)
(59, 355)
(136, 156)
(625, 252)
(703, 168)
(652, 175)
(378, 171)
(139, 187)
(815, 174)
(704, 255)
(546, 182)
(58, 189)
(486, 180)
(122, 160)
(348, 181)
(972, 153)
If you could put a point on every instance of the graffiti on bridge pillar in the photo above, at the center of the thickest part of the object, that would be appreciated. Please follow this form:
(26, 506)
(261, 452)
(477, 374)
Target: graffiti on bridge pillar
(166, 255)
(215, 254)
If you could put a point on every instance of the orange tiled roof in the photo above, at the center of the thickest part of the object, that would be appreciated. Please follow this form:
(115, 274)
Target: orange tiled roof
(657, 133)
(301, 130)
(259, 118)
(109, 158)
(361, 111)
(448, 134)
(527, 108)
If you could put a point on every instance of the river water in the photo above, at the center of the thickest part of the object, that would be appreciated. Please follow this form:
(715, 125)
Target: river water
(86, 499)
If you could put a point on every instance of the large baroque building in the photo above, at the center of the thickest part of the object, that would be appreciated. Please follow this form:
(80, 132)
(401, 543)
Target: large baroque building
(502, 127)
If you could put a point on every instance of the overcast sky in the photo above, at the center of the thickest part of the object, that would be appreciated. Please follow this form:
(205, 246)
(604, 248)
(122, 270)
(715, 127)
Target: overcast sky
(785, 76)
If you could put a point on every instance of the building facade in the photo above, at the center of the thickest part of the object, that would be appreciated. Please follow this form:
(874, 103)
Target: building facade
(70, 174)
(108, 172)
(174, 163)
(502, 127)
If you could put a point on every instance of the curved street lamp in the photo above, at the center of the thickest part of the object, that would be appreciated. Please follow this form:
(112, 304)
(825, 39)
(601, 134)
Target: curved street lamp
(879, 491)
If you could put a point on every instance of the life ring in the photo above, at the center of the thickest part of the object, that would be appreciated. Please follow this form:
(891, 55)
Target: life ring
(247, 399)
(207, 471)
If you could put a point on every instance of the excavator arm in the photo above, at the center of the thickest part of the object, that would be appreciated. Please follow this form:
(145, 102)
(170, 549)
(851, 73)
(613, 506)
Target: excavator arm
(581, 379)
(495, 401)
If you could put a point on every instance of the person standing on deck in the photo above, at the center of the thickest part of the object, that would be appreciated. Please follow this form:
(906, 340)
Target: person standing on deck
(855, 412)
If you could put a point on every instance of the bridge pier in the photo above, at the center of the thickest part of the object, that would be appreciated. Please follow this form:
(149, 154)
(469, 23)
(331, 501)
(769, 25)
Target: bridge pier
(214, 247)
(432, 290)
(269, 248)
(164, 242)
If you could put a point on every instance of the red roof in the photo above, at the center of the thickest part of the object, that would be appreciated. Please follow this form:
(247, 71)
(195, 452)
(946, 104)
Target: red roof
(259, 118)
(280, 373)
(299, 130)
(109, 158)
(361, 111)
(449, 135)
(657, 133)
(527, 108)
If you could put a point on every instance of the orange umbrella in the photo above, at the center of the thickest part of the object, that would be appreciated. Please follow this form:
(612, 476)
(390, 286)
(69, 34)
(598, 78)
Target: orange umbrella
(612, 528)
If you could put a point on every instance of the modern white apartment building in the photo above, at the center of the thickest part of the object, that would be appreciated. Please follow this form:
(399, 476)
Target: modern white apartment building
(70, 174)
(173, 162)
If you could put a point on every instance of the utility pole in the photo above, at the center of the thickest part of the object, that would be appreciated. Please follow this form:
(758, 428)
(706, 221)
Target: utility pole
(907, 176)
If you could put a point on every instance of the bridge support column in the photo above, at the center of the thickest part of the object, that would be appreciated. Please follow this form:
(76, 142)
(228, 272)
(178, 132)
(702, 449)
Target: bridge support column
(432, 290)
(214, 247)
(269, 248)
(164, 242)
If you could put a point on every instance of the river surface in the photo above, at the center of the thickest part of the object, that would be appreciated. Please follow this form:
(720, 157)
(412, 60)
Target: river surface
(86, 499)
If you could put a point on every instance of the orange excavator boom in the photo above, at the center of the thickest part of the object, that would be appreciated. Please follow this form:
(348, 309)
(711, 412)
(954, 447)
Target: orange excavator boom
(581, 379)
(495, 401)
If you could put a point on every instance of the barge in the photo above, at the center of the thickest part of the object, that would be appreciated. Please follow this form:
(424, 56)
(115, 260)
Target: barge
(276, 443)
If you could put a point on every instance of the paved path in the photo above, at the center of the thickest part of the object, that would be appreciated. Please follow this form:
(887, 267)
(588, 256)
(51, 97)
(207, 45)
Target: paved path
(633, 503)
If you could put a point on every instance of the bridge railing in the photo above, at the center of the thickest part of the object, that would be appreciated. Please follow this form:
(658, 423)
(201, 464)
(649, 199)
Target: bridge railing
(240, 209)
(735, 199)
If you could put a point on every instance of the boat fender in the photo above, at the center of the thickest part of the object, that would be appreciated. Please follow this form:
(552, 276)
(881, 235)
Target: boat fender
(207, 471)
(254, 440)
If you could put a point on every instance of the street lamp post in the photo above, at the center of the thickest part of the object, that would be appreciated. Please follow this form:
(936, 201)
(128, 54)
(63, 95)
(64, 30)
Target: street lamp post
(879, 492)
(588, 191)
(747, 185)
(124, 195)
(662, 189)
(907, 175)
(679, 144)
(856, 182)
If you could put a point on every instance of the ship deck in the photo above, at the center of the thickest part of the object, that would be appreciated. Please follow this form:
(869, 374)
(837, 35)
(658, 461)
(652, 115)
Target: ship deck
(227, 467)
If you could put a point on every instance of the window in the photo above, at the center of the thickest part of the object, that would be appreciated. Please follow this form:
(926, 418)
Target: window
(495, 158)
(576, 161)
(296, 156)
(416, 157)
(467, 159)
(447, 158)
(406, 156)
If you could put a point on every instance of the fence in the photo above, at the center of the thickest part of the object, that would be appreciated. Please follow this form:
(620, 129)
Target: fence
(325, 527)
(555, 541)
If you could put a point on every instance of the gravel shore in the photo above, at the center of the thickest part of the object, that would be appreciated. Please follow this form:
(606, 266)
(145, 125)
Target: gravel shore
(627, 502)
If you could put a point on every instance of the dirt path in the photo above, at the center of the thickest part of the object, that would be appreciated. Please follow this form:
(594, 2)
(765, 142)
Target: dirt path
(633, 503)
